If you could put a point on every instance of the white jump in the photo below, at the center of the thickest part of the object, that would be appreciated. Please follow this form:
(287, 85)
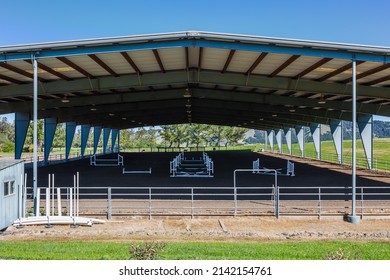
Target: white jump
(93, 160)
(256, 169)
(124, 171)
(256, 166)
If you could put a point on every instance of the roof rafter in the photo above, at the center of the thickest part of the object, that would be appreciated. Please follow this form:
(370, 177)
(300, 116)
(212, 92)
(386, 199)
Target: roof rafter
(284, 65)
(256, 63)
(158, 58)
(51, 71)
(368, 72)
(131, 62)
(338, 71)
(95, 58)
(313, 67)
(228, 60)
(75, 67)
(20, 71)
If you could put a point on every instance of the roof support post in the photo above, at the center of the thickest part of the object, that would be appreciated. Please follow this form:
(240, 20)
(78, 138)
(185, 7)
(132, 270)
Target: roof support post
(114, 135)
(365, 124)
(106, 135)
(288, 136)
(70, 130)
(270, 135)
(353, 218)
(265, 140)
(50, 130)
(279, 140)
(85, 128)
(315, 130)
(35, 135)
(97, 131)
(22, 122)
(300, 131)
(336, 128)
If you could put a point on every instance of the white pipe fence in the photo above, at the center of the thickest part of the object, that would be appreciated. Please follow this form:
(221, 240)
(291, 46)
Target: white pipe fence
(224, 201)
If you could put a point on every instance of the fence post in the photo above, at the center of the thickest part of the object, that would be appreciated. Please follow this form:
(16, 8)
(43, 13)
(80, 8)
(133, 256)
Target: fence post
(361, 201)
(150, 203)
(109, 204)
(277, 202)
(192, 203)
(319, 203)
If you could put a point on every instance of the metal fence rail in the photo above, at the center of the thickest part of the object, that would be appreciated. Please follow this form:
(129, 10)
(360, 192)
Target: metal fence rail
(227, 201)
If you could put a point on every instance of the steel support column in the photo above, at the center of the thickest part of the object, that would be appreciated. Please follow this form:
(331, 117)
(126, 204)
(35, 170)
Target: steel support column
(106, 136)
(288, 136)
(365, 124)
(315, 130)
(353, 218)
(50, 130)
(300, 131)
(70, 130)
(85, 128)
(22, 122)
(97, 131)
(279, 140)
(336, 128)
(35, 136)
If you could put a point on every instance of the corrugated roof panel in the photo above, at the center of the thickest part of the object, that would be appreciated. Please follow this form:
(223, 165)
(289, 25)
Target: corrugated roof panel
(173, 59)
(89, 65)
(117, 63)
(193, 56)
(145, 61)
(327, 68)
(270, 63)
(242, 61)
(61, 67)
(299, 65)
(13, 75)
(214, 59)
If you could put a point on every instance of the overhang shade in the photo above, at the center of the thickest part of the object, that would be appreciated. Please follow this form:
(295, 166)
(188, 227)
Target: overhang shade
(199, 77)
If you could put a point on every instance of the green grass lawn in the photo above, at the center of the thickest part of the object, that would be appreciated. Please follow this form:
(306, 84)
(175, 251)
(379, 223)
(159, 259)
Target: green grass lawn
(194, 250)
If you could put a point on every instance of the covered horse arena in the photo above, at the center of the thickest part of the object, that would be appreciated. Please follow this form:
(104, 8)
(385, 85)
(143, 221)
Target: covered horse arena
(270, 84)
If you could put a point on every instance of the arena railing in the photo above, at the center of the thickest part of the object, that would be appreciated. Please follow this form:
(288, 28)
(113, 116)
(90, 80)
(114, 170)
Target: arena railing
(225, 201)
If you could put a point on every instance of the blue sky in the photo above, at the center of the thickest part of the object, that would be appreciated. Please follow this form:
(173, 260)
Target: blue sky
(349, 21)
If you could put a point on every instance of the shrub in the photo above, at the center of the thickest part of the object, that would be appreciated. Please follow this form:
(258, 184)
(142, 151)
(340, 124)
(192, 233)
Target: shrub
(146, 251)
(343, 254)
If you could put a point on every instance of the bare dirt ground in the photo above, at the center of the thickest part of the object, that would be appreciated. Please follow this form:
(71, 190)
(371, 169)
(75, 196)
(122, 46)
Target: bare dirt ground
(228, 229)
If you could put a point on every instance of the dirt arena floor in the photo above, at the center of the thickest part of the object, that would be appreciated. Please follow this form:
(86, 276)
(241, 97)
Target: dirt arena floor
(308, 172)
(231, 229)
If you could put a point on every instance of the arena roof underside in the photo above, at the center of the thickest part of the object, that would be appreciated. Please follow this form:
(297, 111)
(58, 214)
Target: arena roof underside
(195, 77)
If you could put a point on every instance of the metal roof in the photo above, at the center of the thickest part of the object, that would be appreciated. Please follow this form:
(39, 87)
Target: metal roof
(198, 77)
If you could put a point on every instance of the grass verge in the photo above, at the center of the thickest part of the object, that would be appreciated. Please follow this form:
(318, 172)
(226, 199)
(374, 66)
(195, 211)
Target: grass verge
(193, 250)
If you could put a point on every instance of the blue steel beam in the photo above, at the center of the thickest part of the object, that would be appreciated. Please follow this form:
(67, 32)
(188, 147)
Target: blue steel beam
(279, 140)
(270, 135)
(336, 128)
(70, 130)
(315, 130)
(50, 130)
(97, 131)
(300, 131)
(22, 122)
(249, 46)
(288, 135)
(114, 136)
(365, 124)
(85, 128)
(106, 136)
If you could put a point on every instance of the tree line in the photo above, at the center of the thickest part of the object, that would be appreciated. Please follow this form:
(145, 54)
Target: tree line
(183, 135)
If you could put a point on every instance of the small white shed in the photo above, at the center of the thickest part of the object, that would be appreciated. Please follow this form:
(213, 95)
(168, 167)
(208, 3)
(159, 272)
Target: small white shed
(11, 190)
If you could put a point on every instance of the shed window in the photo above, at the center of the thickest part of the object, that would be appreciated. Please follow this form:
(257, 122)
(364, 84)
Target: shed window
(9, 188)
